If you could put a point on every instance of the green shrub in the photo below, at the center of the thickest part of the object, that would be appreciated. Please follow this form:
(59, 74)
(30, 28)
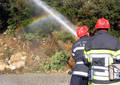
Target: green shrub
(46, 66)
(10, 31)
(65, 37)
(30, 36)
(57, 61)
(32, 57)
(114, 32)
(19, 42)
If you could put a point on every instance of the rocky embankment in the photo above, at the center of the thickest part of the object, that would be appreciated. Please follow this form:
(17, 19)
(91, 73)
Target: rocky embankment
(19, 55)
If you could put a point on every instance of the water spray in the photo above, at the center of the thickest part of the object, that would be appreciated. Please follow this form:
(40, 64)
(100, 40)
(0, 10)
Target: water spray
(56, 15)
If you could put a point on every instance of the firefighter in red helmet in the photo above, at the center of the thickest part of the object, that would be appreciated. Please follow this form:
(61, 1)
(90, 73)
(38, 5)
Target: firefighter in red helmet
(82, 31)
(80, 70)
(103, 53)
(102, 23)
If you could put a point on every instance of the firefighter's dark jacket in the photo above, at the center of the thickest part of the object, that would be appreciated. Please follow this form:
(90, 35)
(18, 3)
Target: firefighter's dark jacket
(78, 54)
(102, 40)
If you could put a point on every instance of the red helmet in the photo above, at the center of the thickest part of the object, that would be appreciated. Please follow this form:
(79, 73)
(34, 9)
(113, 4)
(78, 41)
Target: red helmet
(102, 23)
(82, 31)
(118, 25)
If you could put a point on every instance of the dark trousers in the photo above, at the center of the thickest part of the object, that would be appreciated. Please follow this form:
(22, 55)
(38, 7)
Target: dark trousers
(78, 80)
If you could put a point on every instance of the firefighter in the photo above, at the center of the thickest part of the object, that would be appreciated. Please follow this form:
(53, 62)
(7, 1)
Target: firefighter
(80, 70)
(103, 51)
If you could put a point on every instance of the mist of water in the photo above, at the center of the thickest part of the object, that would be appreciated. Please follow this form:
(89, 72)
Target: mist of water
(57, 16)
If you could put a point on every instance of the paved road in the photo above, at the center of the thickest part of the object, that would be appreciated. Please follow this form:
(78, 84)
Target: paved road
(35, 79)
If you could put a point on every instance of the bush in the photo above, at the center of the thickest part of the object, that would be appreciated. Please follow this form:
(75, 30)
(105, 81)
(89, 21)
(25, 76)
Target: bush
(30, 36)
(65, 37)
(114, 32)
(57, 61)
(46, 66)
(13, 14)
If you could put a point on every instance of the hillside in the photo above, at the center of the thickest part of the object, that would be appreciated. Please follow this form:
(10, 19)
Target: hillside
(21, 55)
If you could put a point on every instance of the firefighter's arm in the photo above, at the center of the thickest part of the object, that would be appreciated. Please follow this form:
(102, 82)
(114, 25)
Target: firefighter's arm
(77, 53)
(80, 68)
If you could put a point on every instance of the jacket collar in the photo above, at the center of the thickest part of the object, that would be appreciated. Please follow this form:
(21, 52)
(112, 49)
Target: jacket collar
(101, 32)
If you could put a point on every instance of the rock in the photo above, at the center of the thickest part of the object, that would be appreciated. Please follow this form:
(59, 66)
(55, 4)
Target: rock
(14, 39)
(2, 66)
(17, 60)
(18, 57)
(4, 33)
(37, 58)
(5, 45)
(17, 65)
(2, 43)
(1, 55)
(0, 40)
(68, 71)
(11, 67)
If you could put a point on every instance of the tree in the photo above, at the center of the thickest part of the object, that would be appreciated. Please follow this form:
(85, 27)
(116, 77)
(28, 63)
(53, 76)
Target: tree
(13, 13)
(20, 14)
(88, 11)
(4, 4)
